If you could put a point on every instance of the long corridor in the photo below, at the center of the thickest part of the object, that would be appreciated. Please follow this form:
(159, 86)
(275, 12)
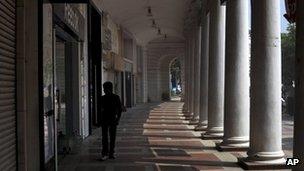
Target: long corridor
(153, 137)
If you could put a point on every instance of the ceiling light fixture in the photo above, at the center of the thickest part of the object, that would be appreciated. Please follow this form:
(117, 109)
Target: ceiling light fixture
(149, 12)
(153, 23)
(159, 31)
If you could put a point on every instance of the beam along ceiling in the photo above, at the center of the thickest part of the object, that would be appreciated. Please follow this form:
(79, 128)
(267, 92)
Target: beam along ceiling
(132, 14)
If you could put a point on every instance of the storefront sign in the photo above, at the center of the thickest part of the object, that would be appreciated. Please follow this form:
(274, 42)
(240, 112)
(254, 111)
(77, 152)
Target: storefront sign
(128, 66)
(108, 61)
(290, 6)
(107, 39)
(114, 36)
(68, 15)
(118, 62)
(71, 17)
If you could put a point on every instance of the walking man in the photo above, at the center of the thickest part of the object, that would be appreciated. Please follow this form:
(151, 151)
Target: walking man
(110, 116)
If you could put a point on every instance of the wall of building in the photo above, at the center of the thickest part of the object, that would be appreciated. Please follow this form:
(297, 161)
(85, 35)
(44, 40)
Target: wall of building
(153, 73)
(128, 49)
(145, 74)
(140, 76)
(165, 80)
(159, 55)
(108, 60)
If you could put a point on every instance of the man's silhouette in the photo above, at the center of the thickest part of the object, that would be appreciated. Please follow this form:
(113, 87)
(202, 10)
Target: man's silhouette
(110, 116)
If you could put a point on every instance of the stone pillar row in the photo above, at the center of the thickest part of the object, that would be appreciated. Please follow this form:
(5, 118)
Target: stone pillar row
(245, 120)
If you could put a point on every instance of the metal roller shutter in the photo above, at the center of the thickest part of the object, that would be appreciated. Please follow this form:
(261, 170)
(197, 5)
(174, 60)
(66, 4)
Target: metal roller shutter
(7, 85)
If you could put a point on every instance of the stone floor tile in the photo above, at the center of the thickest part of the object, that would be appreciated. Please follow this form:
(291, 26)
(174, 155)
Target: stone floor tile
(156, 137)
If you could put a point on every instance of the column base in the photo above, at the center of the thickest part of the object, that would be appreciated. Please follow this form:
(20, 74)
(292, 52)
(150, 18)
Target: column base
(188, 114)
(213, 133)
(185, 109)
(194, 121)
(201, 127)
(188, 117)
(231, 147)
(250, 164)
(234, 144)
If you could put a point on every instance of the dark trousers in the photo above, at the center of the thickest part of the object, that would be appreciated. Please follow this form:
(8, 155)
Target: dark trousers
(106, 131)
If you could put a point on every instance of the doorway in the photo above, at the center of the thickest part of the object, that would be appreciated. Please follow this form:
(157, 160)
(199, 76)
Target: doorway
(60, 93)
(128, 79)
(62, 39)
(67, 94)
(175, 80)
(95, 66)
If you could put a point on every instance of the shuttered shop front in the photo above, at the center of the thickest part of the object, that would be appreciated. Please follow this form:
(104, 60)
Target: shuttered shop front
(7, 85)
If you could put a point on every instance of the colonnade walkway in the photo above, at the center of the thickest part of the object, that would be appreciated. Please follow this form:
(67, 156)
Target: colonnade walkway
(157, 137)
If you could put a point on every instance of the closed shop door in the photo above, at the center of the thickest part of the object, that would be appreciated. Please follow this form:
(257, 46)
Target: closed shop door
(7, 85)
(128, 89)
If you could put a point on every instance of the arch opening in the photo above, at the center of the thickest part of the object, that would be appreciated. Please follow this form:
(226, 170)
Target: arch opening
(175, 81)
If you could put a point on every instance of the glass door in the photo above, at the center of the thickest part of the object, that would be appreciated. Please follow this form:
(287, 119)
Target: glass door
(60, 101)
(63, 27)
(49, 127)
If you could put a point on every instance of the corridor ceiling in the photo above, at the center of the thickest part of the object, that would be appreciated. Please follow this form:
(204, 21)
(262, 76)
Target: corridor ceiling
(169, 15)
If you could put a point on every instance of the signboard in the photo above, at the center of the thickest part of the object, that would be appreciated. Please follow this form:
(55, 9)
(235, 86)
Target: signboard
(69, 16)
(107, 39)
(290, 6)
(118, 62)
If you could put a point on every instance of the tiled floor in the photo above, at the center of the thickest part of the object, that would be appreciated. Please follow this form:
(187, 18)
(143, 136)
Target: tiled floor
(157, 137)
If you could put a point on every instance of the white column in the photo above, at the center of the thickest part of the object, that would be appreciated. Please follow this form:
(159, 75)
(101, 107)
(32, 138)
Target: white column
(236, 110)
(216, 70)
(265, 94)
(188, 79)
(203, 119)
(145, 74)
(185, 88)
(183, 76)
(191, 77)
(196, 81)
(298, 150)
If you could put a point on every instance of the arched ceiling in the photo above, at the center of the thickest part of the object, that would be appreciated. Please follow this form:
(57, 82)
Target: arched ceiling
(132, 15)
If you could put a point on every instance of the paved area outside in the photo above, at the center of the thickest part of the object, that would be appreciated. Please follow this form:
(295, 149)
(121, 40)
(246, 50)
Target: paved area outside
(157, 137)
